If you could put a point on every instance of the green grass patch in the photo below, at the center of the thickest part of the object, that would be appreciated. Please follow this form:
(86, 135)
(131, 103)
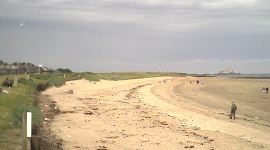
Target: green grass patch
(54, 79)
(125, 75)
(19, 98)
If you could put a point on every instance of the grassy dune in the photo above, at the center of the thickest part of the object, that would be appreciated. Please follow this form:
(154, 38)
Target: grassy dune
(125, 75)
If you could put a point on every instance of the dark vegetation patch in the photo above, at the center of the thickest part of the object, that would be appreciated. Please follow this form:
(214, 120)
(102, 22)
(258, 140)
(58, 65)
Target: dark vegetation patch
(42, 87)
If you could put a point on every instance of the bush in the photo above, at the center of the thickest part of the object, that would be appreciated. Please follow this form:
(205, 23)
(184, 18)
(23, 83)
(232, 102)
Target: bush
(42, 87)
(64, 70)
(40, 76)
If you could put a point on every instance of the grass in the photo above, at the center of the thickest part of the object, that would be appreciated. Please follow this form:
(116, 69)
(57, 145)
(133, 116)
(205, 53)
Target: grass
(20, 98)
(12, 105)
(125, 75)
(54, 79)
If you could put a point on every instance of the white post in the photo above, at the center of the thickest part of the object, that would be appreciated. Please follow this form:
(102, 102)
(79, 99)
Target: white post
(29, 125)
(16, 82)
(40, 67)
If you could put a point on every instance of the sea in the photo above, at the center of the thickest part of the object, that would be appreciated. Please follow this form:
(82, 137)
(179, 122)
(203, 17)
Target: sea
(252, 75)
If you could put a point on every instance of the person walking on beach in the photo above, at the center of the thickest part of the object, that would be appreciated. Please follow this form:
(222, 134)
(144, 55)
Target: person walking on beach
(233, 110)
(263, 90)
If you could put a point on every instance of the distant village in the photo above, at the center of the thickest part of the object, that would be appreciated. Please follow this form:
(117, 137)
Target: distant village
(20, 68)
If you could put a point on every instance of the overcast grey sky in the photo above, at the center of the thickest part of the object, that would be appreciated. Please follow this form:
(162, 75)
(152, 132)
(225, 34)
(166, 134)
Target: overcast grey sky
(195, 36)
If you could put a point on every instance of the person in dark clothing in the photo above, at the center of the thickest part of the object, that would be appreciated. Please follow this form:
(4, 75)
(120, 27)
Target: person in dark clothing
(233, 110)
(266, 90)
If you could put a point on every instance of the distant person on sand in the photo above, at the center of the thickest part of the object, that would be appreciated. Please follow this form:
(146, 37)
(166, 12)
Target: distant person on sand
(233, 110)
(263, 90)
(198, 81)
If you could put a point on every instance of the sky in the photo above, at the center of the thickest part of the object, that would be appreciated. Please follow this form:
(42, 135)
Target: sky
(193, 36)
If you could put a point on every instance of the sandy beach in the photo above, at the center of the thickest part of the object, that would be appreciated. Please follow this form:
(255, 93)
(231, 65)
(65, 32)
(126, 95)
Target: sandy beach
(160, 113)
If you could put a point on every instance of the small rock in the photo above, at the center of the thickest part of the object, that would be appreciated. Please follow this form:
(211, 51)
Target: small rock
(191, 146)
(88, 113)
(163, 122)
(69, 92)
(196, 128)
(102, 148)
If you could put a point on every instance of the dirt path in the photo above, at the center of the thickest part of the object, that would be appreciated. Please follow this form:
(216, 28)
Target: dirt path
(140, 114)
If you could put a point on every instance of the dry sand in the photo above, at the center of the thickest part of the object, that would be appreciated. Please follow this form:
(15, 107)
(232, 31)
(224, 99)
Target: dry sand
(161, 113)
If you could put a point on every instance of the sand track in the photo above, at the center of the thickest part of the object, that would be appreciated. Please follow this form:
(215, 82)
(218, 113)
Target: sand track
(143, 114)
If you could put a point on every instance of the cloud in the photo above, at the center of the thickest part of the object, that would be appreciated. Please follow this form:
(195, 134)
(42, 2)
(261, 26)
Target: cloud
(216, 65)
(223, 4)
(172, 15)
(149, 33)
(190, 66)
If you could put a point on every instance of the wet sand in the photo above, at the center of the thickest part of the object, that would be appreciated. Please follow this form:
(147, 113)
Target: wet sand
(160, 113)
